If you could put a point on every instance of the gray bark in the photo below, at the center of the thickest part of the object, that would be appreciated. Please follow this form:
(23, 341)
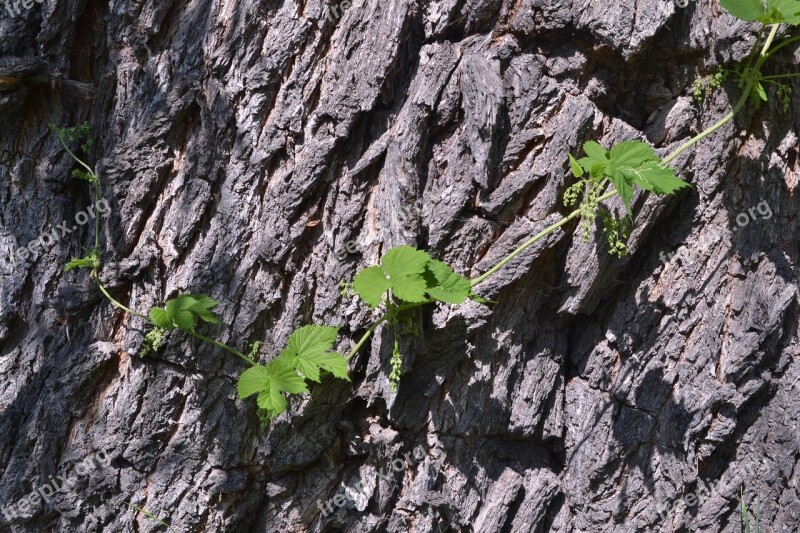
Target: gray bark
(241, 145)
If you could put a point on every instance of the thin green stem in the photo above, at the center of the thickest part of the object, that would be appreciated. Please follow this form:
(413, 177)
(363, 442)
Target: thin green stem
(533, 239)
(72, 154)
(113, 301)
(771, 37)
(779, 76)
(391, 313)
(234, 351)
(225, 347)
(694, 140)
(784, 43)
(366, 336)
(724, 120)
(96, 214)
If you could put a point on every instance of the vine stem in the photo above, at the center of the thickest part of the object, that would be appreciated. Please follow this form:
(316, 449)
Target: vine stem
(691, 142)
(742, 100)
(224, 346)
(391, 313)
(114, 302)
(72, 154)
(533, 239)
(779, 76)
(96, 274)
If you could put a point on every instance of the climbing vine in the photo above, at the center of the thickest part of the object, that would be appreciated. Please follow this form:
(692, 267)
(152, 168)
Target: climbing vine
(407, 278)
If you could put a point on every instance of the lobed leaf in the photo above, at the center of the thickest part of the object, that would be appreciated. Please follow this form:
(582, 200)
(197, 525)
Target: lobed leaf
(747, 10)
(371, 284)
(445, 285)
(401, 270)
(628, 163)
(183, 311)
(271, 382)
(311, 340)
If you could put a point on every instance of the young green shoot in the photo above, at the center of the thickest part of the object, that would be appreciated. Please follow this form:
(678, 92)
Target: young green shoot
(406, 278)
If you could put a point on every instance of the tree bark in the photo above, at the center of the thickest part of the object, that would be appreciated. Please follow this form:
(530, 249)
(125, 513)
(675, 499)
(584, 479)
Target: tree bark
(243, 145)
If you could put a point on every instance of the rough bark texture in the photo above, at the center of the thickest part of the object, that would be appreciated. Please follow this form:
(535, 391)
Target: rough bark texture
(592, 392)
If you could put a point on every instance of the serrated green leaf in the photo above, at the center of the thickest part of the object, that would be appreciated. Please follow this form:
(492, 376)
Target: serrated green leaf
(185, 320)
(201, 305)
(401, 270)
(184, 310)
(272, 401)
(205, 315)
(336, 364)
(282, 374)
(371, 284)
(410, 288)
(271, 382)
(404, 261)
(657, 178)
(311, 339)
(631, 154)
(159, 318)
(747, 10)
(577, 170)
(624, 188)
(181, 302)
(445, 285)
(597, 170)
(253, 380)
(202, 300)
(310, 365)
(307, 350)
(438, 272)
(594, 150)
(788, 10)
(178, 313)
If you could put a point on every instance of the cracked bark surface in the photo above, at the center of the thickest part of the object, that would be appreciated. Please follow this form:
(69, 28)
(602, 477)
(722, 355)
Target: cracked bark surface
(242, 145)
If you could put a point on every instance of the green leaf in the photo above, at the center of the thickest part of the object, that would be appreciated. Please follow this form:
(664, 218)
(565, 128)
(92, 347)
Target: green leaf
(283, 375)
(761, 92)
(782, 11)
(312, 340)
(657, 178)
(632, 154)
(178, 312)
(184, 310)
(445, 285)
(201, 307)
(271, 382)
(404, 261)
(272, 401)
(310, 365)
(159, 318)
(184, 320)
(336, 364)
(283, 378)
(747, 10)
(252, 380)
(308, 350)
(401, 270)
(623, 187)
(438, 272)
(594, 150)
(371, 284)
(410, 288)
(577, 170)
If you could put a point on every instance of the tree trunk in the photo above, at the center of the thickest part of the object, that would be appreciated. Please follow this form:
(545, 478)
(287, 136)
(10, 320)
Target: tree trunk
(243, 146)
